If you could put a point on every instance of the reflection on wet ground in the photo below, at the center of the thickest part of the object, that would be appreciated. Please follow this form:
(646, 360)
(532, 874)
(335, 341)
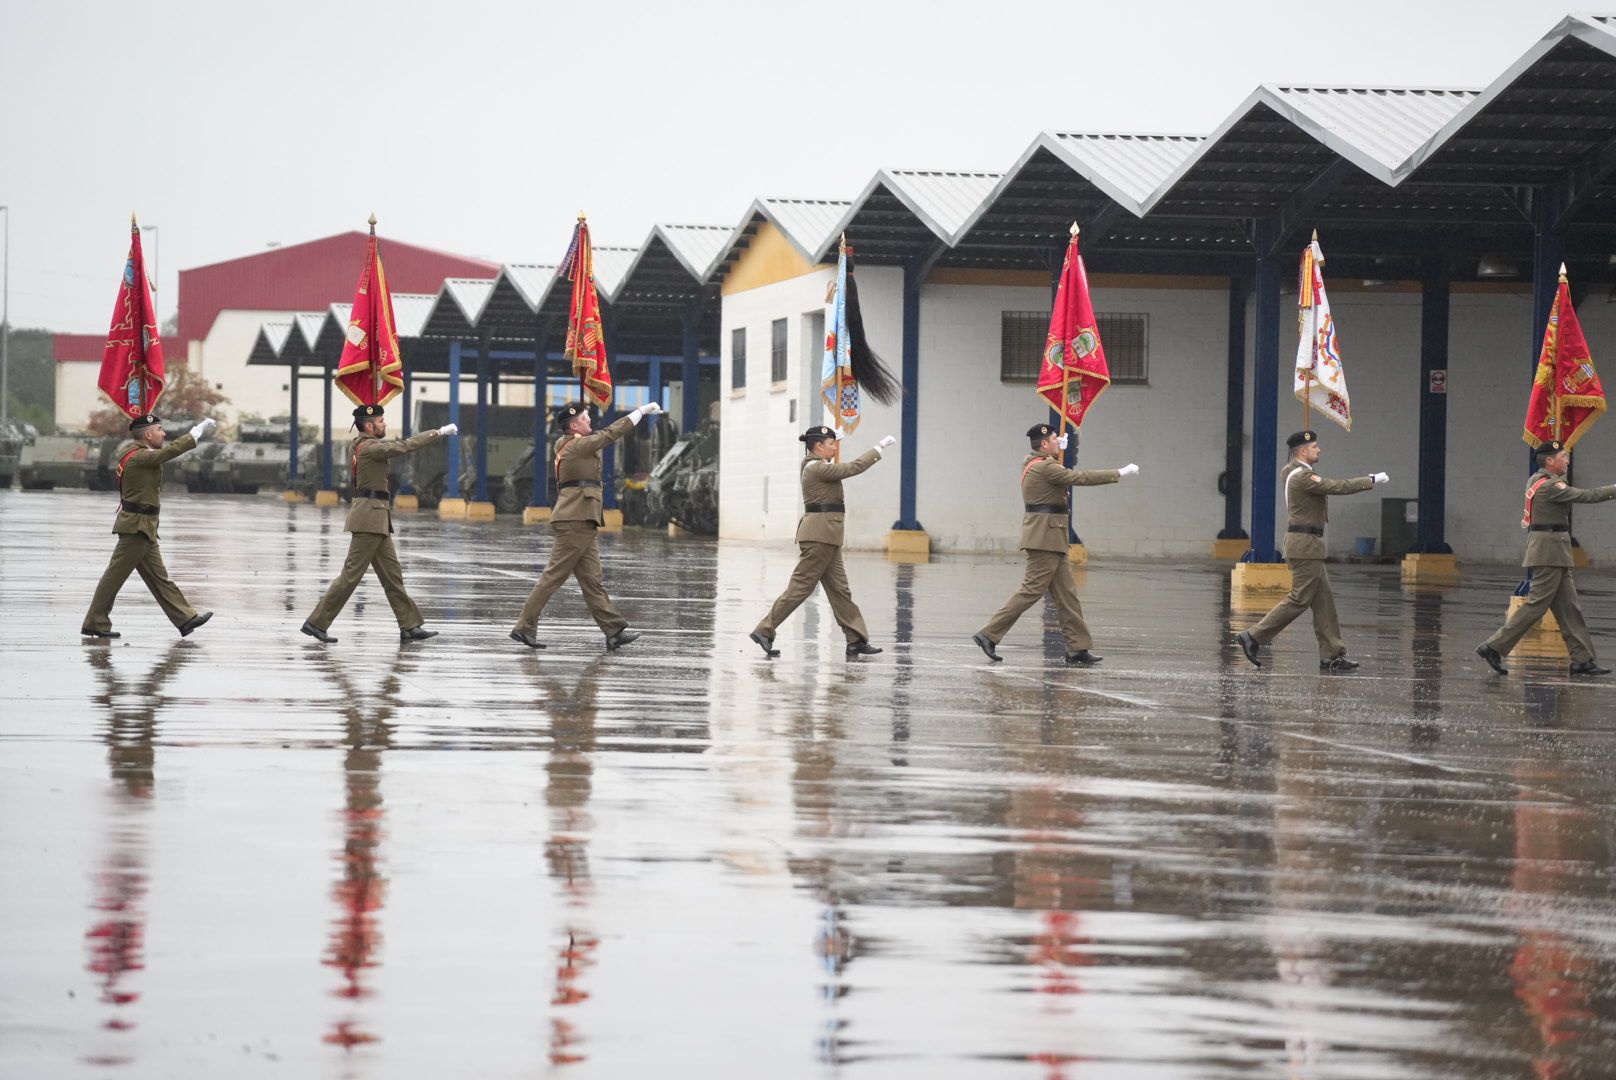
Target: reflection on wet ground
(244, 854)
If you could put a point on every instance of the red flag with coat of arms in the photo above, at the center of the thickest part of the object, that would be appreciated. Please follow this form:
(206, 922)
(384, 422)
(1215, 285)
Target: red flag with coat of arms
(1074, 372)
(586, 343)
(1567, 396)
(132, 362)
(371, 371)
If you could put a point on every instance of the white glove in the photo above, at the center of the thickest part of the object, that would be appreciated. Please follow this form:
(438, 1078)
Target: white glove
(204, 427)
(653, 408)
(1062, 441)
(886, 441)
(1380, 478)
(1129, 469)
(449, 429)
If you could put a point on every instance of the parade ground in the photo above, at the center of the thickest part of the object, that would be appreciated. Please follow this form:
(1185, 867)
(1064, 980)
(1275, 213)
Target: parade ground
(247, 854)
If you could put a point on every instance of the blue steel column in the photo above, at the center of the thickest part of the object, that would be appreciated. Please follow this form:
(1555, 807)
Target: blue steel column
(1234, 412)
(690, 332)
(407, 475)
(541, 416)
(480, 491)
(291, 469)
(451, 467)
(909, 430)
(608, 478)
(325, 446)
(655, 391)
(1434, 309)
(1264, 401)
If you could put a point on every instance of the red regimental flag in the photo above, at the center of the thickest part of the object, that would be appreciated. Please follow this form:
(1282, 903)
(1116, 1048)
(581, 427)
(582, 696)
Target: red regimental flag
(1567, 396)
(586, 343)
(1074, 372)
(371, 371)
(132, 364)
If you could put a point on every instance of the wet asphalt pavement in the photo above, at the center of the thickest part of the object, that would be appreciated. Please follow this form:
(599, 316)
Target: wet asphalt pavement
(244, 854)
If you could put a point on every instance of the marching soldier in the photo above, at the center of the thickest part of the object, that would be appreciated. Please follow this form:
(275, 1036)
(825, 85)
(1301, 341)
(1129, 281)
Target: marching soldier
(1045, 491)
(370, 520)
(140, 490)
(578, 514)
(1548, 556)
(819, 538)
(1305, 495)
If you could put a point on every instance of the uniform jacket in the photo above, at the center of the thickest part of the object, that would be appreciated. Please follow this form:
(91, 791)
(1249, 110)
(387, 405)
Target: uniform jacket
(1306, 493)
(822, 483)
(368, 470)
(142, 482)
(1551, 505)
(1044, 481)
(578, 457)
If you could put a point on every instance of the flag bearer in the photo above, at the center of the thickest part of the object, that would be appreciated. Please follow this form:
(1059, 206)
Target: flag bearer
(1305, 495)
(1548, 556)
(370, 520)
(1045, 493)
(140, 492)
(819, 537)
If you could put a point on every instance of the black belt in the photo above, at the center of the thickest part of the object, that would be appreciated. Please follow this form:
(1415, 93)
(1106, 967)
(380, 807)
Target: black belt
(137, 508)
(1311, 530)
(824, 508)
(1046, 508)
(371, 493)
(565, 484)
(1551, 528)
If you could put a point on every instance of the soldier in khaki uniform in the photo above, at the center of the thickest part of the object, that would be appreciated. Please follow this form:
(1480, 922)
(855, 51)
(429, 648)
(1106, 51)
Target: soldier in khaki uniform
(1548, 555)
(819, 538)
(1305, 495)
(1045, 493)
(140, 490)
(574, 522)
(370, 520)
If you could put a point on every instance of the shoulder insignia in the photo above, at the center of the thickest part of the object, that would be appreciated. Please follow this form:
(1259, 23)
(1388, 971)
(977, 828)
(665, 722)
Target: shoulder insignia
(1559, 483)
(1314, 479)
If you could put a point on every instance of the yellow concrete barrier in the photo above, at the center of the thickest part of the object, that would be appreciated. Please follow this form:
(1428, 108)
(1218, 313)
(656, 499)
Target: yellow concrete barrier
(910, 542)
(1261, 577)
(326, 498)
(614, 520)
(1580, 557)
(407, 503)
(1423, 568)
(452, 509)
(294, 497)
(1230, 550)
(1079, 554)
(535, 515)
(479, 511)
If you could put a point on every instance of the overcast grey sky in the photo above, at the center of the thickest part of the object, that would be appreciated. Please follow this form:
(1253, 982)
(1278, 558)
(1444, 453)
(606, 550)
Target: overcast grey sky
(482, 128)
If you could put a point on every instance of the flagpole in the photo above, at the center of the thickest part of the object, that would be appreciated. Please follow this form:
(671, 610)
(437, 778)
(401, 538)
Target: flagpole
(1559, 419)
(836, 413)
(577, 258)
(375, 368)
(1066, 369)
(1313, 349)
(145, 386)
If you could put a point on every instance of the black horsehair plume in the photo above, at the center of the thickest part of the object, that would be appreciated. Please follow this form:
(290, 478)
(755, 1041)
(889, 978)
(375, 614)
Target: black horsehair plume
(873, 376)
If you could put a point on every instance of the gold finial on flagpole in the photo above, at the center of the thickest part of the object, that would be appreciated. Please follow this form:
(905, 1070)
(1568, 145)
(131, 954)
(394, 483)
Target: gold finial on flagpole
(581, 215)
(1074, 229)
(132, 225)
(1563, 272)
(1315, 236)
(373, 223)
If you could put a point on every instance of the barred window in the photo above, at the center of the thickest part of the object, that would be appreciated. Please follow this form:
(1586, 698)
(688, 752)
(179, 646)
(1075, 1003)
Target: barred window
(1126, 338)
(777, 351)
(737, 359)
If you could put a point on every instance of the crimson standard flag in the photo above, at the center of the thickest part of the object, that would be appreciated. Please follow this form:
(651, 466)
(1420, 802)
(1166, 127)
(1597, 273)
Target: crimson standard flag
(132, 363)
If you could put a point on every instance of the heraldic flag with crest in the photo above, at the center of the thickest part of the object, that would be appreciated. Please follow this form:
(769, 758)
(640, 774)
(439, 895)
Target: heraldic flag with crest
(132, 363)
(1567, 396)
(371, 371)
(1320, 380)
(1074, 372)
(586, 344)
(850, 366)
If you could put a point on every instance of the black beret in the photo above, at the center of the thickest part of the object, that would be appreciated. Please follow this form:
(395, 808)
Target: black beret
(1302, 438)
(567, 412)
(367, 412)
(144, 421)
(1550, 448)
(816, 434)
(1040, 432)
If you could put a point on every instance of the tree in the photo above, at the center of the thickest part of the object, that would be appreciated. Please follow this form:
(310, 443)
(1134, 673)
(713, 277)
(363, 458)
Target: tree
(185, 394)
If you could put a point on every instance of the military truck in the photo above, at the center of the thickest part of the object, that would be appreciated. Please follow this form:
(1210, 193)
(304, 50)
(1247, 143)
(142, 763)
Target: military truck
(683, 488)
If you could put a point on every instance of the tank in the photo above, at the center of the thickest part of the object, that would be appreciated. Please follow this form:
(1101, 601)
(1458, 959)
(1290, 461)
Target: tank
(683, 488)
(13, 438)
(53, 461)
(635, 457)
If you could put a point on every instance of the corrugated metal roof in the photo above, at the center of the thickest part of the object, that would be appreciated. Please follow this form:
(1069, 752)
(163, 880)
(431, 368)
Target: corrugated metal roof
(1126, 167)
(1386, 125)
(469, 295)
(308, 324)
(943, 200)
(410, 312)
(697, 247)
(531, 280)
(611, 264)
(808, 223)
(267, 345)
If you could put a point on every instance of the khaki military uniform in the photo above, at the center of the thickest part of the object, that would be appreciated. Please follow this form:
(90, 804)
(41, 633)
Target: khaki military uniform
(370, 520)
(819, 539)
(1306, 495)
(140, 493)
(1045, 491)
(1548, 555)
(577, 515)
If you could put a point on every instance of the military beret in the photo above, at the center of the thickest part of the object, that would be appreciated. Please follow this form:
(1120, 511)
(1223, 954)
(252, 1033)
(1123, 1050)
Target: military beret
(1040, 431)
(145, 421)
(1302, 438)
(567, 412)
(818, 433)
(367, 412)
(1550, 448)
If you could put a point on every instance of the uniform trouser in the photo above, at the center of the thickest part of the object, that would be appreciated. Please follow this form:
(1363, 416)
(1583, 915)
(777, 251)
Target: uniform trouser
(1552, 590)
(368, 551)
(137, 552)
(819, 564)
(1047, 572)
(573, 553)
(1310, 588)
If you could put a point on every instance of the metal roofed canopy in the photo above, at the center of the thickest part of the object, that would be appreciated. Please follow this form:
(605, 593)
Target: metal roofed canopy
(807, 223)
(646, 314)
(455, 310)
(905, 213)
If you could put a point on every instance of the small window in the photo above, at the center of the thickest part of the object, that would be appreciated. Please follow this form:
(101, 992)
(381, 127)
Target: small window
(737, 359)
(777, 351)
(1126, 338)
